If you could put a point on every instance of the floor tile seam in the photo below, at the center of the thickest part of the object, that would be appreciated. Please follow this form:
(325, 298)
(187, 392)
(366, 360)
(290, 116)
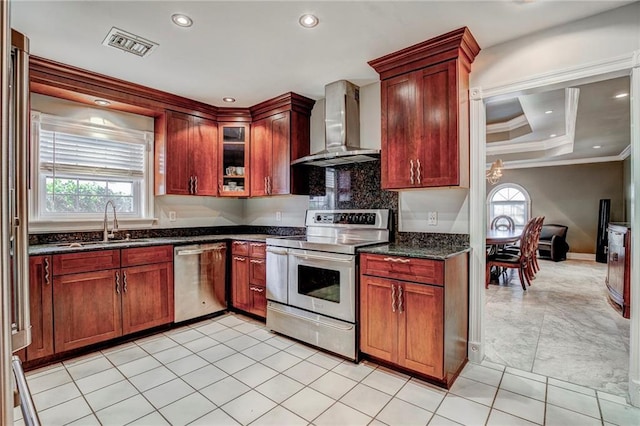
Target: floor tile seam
(335, 402)
(544, 418)
(574, 411)
(173, 402)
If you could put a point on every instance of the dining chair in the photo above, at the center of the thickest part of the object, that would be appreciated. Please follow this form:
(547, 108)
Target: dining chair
(503, 223)
(520, 260)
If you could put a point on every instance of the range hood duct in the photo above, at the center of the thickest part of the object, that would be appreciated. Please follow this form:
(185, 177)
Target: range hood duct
(342, 129)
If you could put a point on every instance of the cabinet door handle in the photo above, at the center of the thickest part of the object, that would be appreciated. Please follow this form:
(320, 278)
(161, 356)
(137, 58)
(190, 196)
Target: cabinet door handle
(393, 298)
(269, 182)
(418, 167)
(47, 273)
(400, 299)
(117, 282)
(124, 281)
(256, 261)
(256, 289)
(239, 243)
(266, 186)
(195, 184)
(396, 260)
(190, 184)
(239, 259)
(411, 171)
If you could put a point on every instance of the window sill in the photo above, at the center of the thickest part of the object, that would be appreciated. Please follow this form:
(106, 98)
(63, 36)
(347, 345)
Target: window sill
(43, 226)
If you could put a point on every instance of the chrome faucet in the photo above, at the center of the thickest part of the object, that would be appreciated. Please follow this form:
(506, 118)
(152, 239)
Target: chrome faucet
(106, 235)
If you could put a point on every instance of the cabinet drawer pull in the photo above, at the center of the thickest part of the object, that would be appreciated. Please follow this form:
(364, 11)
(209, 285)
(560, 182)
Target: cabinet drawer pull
(195, 184)
(117, 282)
(269, 185)
(124, 281)
(47, 272)
(257, 244)
(418, 167)
(256, 261)
(257, 289)
(190, 184)
(411, 171)
(393, 298)
(400, 299)
(266, 186)
(396, 260)
(239, 243)
(239, 259)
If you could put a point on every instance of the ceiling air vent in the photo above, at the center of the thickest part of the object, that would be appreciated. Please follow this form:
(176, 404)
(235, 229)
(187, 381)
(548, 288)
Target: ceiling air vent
(129, 42)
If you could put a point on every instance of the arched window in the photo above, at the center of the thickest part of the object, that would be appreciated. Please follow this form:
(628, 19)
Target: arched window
(511, 200)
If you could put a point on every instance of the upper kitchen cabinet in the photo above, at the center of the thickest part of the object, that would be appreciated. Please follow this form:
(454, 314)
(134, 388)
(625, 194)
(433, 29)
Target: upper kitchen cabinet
(280, 133)
(186, 153)
(425, 112)
(234, 159)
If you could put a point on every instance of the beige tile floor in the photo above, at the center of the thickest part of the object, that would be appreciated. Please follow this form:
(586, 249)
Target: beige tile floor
(562, 327)
(231, 370)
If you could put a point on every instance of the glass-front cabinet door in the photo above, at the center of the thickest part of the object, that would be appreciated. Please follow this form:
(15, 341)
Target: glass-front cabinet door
(234, 157)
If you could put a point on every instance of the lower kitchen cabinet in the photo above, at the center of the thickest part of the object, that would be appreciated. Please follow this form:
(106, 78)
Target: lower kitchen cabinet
(93, 304)
(87, 308)
(147, 296)
(420, 325)
(248, 277)
(41, 307)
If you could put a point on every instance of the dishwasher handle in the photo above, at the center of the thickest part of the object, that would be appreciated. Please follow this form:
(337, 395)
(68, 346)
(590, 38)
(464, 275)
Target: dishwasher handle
(199, 251)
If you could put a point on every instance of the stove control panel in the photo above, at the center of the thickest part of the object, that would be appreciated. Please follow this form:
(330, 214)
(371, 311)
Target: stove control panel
(346, 218)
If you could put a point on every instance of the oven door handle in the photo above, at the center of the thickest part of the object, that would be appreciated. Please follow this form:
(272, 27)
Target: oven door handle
(292, 314)
(328, 259)
(199, 251)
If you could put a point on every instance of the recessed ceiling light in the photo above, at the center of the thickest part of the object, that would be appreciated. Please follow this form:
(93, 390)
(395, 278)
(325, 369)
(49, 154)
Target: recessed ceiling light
(181, 20)
(621, 95)
(102, 102)
(229, 99)
(308, 20)
(549, 111)
(597, 146)
(552, 135)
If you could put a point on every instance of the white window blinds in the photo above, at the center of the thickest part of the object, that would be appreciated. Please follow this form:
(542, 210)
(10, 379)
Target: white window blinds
(90, 150)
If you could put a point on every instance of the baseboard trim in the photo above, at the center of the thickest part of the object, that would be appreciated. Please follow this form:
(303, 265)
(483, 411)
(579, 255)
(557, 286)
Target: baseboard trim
(581, 256)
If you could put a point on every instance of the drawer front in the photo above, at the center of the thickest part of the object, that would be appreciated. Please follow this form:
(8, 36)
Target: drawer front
(425, 271)
(87, 261)
(258, 272)
(258, 250)
(146, 255)
(240, 247)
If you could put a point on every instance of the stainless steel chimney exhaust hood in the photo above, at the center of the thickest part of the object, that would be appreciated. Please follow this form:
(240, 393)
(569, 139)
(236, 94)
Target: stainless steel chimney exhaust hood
(342, 129)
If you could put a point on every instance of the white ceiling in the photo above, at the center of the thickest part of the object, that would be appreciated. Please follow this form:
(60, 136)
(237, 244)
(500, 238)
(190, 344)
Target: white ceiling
(254, 51)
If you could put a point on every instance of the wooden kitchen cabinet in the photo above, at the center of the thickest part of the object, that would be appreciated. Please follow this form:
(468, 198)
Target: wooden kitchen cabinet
(147, 288)
(94, 302)
(234, 145)
(421, 327)
(41, 307)
(618, 279)
(280, 133)
(248, 277)
(425, 112)
(186, 155)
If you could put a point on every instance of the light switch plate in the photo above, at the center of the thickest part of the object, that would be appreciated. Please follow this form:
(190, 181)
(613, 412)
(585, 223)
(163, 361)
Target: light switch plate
(278, 216)
(172, 216)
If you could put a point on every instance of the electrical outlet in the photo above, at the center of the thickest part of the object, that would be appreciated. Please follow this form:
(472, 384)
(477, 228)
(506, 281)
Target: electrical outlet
(278, 216)
(172, 216)
(432, 218)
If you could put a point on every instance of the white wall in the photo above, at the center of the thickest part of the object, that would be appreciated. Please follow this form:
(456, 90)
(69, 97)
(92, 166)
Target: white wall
(600, 37)
(263, 211)
(198, 211)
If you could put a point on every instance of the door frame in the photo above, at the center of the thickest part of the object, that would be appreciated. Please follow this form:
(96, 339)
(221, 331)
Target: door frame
(625, 65)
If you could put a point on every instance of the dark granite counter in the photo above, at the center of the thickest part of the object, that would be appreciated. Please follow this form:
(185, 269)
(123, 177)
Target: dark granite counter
(69, 247)
(435, 252)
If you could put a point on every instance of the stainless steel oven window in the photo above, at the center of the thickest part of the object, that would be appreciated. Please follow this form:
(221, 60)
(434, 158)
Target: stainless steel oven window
(320, 283)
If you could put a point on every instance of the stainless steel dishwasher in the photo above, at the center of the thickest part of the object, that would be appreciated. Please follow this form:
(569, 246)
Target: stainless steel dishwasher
(199, 280)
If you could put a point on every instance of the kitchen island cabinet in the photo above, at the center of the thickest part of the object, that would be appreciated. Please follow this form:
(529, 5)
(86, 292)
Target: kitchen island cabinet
(414, 313)
(186, 155)
(248, 277)
(425, 112)
(41, 307)
(95, 299)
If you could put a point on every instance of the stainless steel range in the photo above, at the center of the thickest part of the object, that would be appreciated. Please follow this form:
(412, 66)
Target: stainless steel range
(311, 279)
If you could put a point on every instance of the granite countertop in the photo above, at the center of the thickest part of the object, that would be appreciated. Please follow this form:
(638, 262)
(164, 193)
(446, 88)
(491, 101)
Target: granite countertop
(435, 252)
(67, 247)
